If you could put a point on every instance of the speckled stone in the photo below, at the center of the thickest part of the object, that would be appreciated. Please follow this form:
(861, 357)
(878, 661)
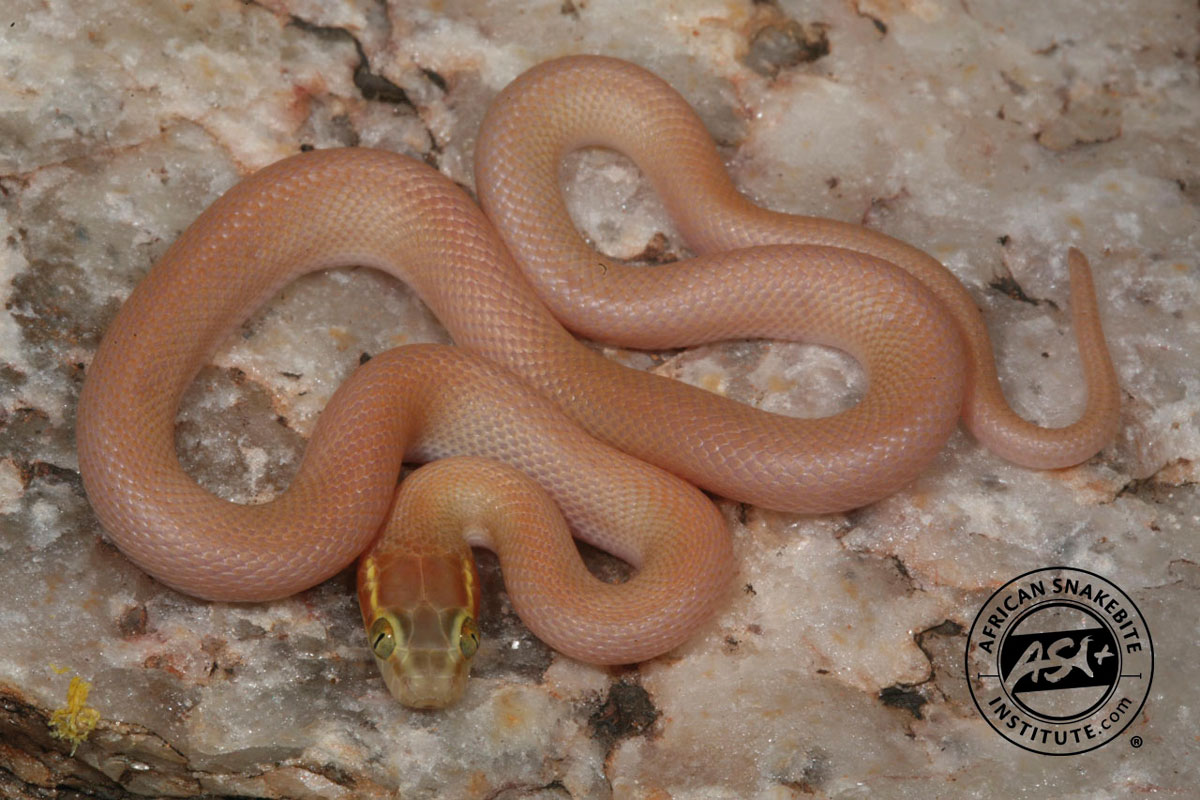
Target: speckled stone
(991, 134)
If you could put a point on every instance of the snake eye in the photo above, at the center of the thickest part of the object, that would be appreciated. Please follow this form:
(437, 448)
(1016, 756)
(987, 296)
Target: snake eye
(468, 637)
(382, 637)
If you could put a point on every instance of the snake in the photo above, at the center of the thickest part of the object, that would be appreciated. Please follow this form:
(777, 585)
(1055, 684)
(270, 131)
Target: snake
(528, 436)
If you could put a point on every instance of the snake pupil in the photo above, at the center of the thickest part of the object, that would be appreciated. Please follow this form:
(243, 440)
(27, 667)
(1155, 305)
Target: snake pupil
(468, 637)
(382, 638)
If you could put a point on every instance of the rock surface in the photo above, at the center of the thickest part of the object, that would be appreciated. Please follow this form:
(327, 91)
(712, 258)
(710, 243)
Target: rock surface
(990, 134)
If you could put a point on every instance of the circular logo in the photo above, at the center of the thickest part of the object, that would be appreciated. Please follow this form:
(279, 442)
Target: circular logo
(1059, 661)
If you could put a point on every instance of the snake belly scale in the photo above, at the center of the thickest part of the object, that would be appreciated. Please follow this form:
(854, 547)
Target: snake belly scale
(527, 426)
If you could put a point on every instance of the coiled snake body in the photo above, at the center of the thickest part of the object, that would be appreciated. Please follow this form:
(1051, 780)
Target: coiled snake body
(513, 452)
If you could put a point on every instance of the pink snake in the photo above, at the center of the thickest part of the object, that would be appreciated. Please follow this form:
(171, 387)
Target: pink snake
(757, 273)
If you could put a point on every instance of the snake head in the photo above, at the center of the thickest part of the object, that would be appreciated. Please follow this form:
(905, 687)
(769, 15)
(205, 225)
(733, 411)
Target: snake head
(424, 654)
(420, 616)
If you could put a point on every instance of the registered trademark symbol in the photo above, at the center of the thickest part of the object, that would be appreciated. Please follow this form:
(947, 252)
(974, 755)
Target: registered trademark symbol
(1136, 741)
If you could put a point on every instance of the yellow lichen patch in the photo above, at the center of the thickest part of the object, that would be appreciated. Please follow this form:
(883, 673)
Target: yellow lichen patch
(342, 338)
(776, 384)
(76, 719)
(713, 382)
